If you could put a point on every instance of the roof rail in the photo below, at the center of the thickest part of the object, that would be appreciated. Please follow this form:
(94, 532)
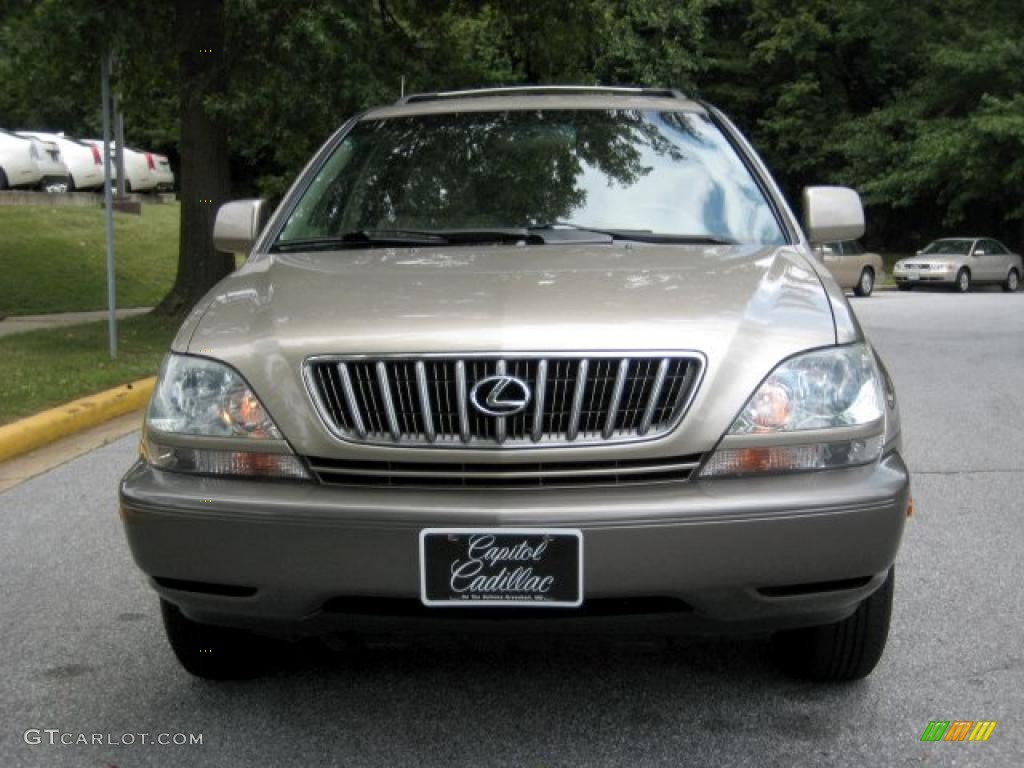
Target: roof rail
(540, 90)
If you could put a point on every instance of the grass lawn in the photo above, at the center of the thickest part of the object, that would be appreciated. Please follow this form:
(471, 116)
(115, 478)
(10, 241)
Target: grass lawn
(55, 259)
(50, 367)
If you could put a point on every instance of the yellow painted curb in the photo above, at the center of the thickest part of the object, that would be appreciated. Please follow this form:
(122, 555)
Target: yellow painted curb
(36, 431)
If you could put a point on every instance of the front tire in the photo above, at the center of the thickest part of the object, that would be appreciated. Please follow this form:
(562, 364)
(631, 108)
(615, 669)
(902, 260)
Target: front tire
(212, 652)
(866, 282)
(846, 650)
(3, 179)
(963, 281)
(1012, 282)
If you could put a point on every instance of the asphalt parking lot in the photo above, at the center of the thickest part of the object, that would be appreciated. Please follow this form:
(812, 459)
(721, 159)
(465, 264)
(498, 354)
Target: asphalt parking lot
(83, 651)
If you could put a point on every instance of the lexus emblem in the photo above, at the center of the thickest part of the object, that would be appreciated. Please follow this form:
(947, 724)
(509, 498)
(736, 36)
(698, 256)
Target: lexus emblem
(500, 395)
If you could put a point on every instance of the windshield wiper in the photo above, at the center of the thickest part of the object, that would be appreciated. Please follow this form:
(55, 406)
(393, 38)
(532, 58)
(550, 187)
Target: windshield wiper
(366, 238)
(539, 234)
(637, 235)
(362, 238)
(491, 235)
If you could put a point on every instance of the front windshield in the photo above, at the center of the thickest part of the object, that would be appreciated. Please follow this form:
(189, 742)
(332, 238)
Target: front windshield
(661, 172)
(940, 247)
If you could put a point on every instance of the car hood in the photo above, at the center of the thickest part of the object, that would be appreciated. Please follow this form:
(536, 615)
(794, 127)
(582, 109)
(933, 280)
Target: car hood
(744, 308)
(948, 258)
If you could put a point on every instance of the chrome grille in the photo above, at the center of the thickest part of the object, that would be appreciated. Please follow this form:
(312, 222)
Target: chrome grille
(425, 400)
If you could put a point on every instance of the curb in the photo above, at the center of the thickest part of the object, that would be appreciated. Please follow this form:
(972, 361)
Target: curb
(44, 428)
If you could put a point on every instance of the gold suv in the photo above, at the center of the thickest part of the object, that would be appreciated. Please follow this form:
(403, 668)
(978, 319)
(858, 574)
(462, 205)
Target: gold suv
(520, 359)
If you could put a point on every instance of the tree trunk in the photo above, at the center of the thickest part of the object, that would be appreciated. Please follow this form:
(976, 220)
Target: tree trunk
(205, 180)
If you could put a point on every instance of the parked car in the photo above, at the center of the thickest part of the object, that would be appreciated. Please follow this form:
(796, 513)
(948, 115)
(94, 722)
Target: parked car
(43, 166)
(19, 166)
(51, 165)
(959, 263)
(160, 167)
(525, 358)
(852, 266)
(138, 170)
(83, 162)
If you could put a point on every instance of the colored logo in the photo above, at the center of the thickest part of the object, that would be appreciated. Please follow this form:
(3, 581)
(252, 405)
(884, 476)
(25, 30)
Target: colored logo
(958, 730)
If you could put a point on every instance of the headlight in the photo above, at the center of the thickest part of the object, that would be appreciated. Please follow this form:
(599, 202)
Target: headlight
(196, 396)
(203, 399)
(838, 388)
(834, 387)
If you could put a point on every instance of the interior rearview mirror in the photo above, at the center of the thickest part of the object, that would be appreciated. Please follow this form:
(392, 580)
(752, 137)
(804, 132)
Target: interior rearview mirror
(237, 225)
(832, 214)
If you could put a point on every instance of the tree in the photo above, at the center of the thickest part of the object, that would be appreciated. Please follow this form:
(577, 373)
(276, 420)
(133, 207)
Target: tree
(918, 105)
(949, 146)
(205, 176)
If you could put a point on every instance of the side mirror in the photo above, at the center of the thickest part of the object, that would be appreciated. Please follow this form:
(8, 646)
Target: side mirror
(979, 252)
(832, 214)
(237, 225)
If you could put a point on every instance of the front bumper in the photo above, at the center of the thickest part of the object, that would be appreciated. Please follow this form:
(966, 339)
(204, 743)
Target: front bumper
(729, 554)
(925, 278)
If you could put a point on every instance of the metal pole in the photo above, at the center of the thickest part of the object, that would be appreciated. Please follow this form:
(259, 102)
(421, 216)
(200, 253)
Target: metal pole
(108, 201)
(119, 147)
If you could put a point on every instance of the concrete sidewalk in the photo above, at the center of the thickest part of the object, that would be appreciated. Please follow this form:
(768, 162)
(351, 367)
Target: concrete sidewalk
(22, 323)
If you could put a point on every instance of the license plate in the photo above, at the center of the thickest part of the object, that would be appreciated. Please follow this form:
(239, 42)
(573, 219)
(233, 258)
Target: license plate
(501, 567)
(913, 277)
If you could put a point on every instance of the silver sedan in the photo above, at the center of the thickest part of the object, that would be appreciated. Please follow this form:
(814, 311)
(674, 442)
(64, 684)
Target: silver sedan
(959, 263)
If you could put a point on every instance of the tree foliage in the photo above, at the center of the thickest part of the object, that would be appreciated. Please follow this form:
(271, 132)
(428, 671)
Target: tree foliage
(952, 137)
(918, 105)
